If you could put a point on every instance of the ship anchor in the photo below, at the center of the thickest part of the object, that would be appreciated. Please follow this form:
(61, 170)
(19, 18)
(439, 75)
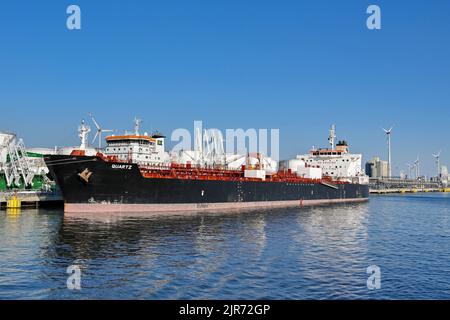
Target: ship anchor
(85, 175)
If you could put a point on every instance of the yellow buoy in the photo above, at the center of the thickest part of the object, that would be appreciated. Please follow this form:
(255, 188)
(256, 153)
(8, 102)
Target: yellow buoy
(14, 203)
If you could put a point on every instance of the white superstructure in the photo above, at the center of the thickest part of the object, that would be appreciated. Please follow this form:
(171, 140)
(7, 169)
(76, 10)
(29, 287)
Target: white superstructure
(137, 148)
(336, 162)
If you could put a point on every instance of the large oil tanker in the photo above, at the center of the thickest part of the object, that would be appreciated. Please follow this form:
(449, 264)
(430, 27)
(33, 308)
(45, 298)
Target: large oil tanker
(134, 174)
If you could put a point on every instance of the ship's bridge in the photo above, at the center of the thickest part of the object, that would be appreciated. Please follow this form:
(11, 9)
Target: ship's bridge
(341, 149)
(141, 149)
(326, 152)
(144, 140)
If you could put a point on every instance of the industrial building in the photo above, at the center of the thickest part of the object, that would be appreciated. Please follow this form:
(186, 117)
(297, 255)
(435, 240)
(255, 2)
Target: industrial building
(377, 168)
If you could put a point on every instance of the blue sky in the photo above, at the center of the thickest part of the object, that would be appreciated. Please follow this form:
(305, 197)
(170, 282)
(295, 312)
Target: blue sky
(294, 65)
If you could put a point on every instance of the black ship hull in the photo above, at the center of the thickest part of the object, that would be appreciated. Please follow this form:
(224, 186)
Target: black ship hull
(89, 184)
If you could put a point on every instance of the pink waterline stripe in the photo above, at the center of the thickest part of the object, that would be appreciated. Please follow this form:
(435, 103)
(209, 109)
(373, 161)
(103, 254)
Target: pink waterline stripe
(189, 207)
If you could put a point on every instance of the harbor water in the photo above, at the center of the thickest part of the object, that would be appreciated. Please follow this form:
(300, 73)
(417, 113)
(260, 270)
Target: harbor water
(297, 253)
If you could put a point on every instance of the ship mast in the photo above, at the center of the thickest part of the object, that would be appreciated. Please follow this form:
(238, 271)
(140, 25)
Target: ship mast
(332, 137)
(137, 126)
(83, 131)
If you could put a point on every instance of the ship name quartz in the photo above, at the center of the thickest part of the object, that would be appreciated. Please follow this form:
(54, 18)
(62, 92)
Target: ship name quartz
(122, 166)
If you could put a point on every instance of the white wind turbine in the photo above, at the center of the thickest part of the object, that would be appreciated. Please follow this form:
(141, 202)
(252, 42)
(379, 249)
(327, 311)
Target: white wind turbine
(438, 163)
(388, 134)
(413, 169)
(410, 166)
(99, 133)
(417, 166)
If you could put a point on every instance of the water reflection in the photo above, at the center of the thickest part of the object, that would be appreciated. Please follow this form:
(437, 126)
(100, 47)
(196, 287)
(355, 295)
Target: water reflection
(180, 248)
(13, 213)
(188, 256)
(25, 239)
(334, 250)
(297, 253)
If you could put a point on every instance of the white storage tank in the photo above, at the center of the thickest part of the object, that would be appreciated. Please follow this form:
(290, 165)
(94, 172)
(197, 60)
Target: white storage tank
(294, 165)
